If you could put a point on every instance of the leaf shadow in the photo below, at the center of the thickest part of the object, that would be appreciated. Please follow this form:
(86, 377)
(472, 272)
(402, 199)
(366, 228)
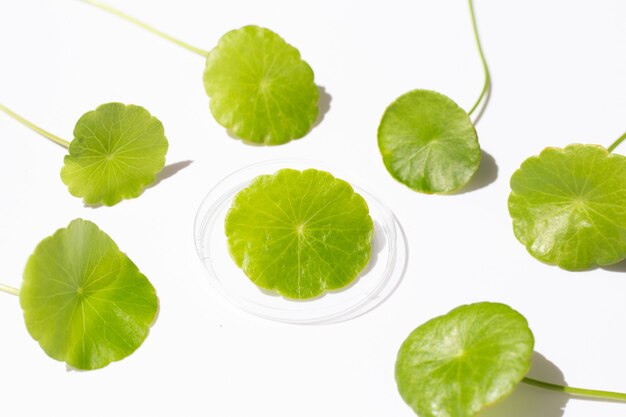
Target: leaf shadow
(164, 174)
(618, 267)
(487, 174)
(485, 102)
(379, 242)
(92, 206)
(168, 171)
(530, 401)
(323, 107)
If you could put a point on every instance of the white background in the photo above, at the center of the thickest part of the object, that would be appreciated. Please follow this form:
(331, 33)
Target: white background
(558, 68)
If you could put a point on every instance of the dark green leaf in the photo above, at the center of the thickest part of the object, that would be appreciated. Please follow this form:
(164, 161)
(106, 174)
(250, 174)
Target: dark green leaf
(428, 142)
(457, 364)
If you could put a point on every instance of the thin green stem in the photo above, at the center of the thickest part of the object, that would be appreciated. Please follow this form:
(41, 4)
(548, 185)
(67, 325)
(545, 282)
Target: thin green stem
(487, 84)
(145, 26)
(581, 392)
(9, 290)
(34, 127)
(617, 142)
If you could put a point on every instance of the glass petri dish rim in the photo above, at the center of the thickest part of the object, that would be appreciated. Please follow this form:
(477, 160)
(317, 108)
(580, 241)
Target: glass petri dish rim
(224, 190)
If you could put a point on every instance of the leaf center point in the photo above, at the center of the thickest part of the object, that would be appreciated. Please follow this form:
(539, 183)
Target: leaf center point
(264, 84)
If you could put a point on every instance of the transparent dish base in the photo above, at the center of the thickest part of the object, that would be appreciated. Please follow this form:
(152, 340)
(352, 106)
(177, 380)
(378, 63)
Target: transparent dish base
(373, 285)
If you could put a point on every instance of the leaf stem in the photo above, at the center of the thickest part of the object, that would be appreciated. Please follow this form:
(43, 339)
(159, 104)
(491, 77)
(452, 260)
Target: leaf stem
(34, 127)
(617, 142)
(145, 26)
(487, 84)
(581, 392)
(9, 290)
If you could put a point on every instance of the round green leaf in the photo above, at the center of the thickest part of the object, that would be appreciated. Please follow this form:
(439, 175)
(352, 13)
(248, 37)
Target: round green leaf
(569, 206)
(299, 233)
(428, 142)
(260, 88)
(116, 152)
(457, 364)
(84, 301)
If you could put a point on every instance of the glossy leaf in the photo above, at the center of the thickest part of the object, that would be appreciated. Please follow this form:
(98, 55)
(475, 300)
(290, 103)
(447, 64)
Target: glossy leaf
(116, 152)
(428, 142)
(569, 206)
(299, 233)
(260, 88)
(457, 364)
(84, 301)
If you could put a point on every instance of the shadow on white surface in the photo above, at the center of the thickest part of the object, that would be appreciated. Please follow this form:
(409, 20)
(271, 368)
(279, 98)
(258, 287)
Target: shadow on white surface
(618, 267)
(487, 174)
(92, 206)
(168, 171)
(379, 242)
(529, 401)
(483, 106)
(323, 105)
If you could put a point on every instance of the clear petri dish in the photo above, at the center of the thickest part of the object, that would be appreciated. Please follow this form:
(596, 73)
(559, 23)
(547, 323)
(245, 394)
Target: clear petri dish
(375, 283)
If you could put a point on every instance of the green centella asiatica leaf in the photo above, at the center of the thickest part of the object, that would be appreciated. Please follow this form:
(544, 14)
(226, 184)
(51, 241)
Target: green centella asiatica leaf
(428, 142)
(260, 88)
(568, 206)
(299, 233)
(116, 152)
(457, 364)
(84, 300)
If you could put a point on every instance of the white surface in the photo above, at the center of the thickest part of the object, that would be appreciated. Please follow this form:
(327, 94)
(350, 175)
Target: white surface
(558, 69)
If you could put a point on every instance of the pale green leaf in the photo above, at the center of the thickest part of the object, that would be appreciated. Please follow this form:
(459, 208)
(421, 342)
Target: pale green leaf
(84, 301)
(260, 88)
(569, 206)
(116, 152)
(428, 142)
(299, 233)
